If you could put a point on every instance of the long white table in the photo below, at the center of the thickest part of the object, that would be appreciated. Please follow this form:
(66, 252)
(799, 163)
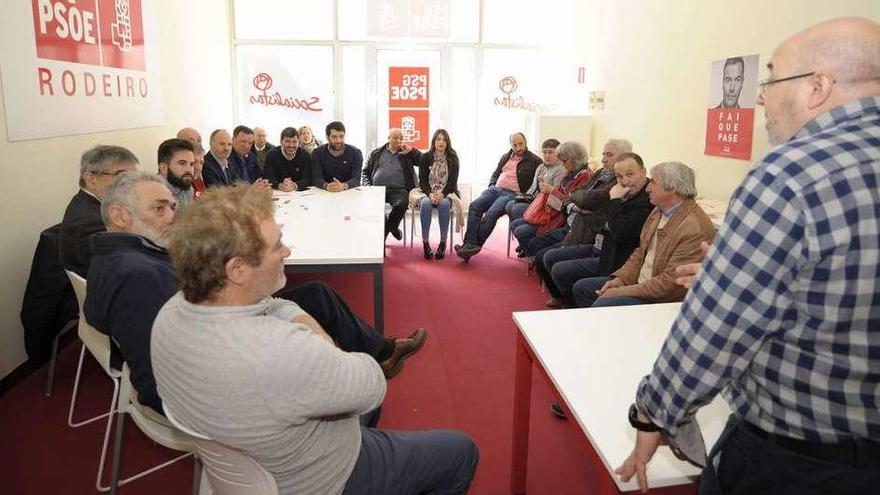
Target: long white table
(595, 358)
(336, 232)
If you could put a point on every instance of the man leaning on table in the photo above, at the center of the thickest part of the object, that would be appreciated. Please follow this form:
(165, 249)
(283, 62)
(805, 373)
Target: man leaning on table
(783, 317)
(336, 166)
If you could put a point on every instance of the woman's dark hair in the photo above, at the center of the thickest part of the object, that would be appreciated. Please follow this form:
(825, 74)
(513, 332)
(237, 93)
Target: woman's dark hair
(449, 150)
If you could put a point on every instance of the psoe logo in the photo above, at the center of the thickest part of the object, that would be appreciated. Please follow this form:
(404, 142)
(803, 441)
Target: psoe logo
(263, 83)
(107, 33)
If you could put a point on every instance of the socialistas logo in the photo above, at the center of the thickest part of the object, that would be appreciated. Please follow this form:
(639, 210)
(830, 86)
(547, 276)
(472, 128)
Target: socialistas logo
(508, 86)
(263, 83)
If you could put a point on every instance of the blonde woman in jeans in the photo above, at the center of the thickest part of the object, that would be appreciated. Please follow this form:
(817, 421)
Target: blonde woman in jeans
(438, 177)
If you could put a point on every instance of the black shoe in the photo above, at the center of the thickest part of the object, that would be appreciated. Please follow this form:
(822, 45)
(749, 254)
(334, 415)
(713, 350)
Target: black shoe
(428, 254)
(397, 233)
(557, 411)
(441, 251)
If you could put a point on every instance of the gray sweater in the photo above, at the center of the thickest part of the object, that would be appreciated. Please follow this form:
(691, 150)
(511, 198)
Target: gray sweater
(249, 378)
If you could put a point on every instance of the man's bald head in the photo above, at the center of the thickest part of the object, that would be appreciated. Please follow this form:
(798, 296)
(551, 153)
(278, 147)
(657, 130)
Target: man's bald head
(395, 139)
(848, 48)
(820, 68)
(190, 135)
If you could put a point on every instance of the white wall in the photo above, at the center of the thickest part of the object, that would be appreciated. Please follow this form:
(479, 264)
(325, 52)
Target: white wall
(652, 58)
(40, 176)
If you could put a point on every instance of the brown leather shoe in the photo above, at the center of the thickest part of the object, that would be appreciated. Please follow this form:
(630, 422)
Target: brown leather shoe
(403, 348)
(553, 303)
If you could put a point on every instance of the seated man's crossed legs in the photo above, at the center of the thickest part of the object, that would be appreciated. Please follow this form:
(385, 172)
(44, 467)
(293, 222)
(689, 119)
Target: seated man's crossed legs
(483, 214)
(350, 332)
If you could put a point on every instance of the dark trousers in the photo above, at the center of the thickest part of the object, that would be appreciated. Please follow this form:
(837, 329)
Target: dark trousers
(566, 266)
(750, 464)
(350, 332)
(552, 238)
(398, 198)
(436, 462)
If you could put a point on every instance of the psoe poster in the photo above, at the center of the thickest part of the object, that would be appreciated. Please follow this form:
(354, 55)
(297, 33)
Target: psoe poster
(79, 66)
(730, 118)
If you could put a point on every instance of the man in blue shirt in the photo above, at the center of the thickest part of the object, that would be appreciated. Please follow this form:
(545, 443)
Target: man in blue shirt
(784, 317)
(243, 157)
(336, 166)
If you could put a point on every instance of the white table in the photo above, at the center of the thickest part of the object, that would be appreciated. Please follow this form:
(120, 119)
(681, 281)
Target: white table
(715, 209)
(341, 231)
(595, 358)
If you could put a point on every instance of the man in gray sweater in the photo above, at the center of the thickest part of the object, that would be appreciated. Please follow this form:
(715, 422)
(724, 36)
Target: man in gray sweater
(261, 375)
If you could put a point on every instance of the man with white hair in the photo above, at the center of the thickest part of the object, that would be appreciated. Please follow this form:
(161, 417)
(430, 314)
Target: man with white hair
(131, 275)
(392, 165)
(783, 316)
(670, 237)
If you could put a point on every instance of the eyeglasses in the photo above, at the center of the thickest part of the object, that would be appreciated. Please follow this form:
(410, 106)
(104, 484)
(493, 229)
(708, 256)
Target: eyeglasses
(768, 82)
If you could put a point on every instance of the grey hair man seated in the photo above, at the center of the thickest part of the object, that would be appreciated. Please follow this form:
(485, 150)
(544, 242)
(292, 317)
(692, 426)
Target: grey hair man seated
(259, 374)
(82, 218)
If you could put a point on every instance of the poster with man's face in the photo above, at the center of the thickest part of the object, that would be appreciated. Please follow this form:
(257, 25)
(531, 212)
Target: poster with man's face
(733, 89)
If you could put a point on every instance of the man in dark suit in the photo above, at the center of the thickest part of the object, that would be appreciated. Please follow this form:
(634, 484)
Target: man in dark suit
(98, 167)
(242, 157)
(216, 170)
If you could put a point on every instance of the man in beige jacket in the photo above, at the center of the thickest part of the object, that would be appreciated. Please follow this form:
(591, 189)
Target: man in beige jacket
(670, 237)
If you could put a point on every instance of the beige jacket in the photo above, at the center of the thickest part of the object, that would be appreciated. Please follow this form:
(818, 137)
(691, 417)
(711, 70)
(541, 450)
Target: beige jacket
(678, 243)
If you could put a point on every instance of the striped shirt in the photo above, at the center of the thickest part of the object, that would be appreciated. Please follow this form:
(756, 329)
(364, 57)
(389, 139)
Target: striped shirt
(784, 319)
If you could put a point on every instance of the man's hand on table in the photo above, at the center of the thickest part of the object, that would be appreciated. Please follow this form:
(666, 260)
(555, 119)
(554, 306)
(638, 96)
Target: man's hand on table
(336, 186)
(287, 185)
(643, 451)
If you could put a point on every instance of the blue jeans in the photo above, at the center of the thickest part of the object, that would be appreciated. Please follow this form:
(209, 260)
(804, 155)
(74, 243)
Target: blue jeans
(484, 213)
(443, 208)
(523, 231)
(433, 461)
(552, 238)
(515, 210)
(565, 266)
(584, 293)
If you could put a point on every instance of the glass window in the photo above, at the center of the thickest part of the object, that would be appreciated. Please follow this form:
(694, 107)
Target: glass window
(275, 92)
(462, 122)
(354, 97)
(296, 20)
(527, 22)
(409, 20)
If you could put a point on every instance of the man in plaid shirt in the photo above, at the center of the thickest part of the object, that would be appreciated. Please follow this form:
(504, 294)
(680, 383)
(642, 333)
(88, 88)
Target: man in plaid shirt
(784, 317)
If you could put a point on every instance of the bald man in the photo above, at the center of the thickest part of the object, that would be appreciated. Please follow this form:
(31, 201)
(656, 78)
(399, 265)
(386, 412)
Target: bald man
(217, 170)
(261, 147)
(189, 134)
(783, 317)
(392, 165)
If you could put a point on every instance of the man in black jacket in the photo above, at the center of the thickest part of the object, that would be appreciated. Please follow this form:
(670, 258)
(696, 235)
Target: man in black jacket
(132, 277)
(514, 173)
(82, 218)
(288, 167)
(625, 212)
(217, 169)
(392, 166)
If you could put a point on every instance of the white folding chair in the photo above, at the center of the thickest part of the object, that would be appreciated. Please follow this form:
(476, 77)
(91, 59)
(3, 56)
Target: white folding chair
(98, 344)
(156, 427)
(228, 471)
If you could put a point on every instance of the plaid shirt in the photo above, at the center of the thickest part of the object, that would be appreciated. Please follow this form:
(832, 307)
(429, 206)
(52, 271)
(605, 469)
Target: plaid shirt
(785, 316)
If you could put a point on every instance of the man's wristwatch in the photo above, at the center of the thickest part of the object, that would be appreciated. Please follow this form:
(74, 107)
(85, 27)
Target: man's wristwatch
(640, 425)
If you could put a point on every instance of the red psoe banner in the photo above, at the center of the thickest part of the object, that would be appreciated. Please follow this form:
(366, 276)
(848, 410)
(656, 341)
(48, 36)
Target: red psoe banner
(413, 124)
(729, 132)
(408, 87)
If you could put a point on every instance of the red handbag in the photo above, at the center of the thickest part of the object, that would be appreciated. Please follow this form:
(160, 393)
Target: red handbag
(538, 213)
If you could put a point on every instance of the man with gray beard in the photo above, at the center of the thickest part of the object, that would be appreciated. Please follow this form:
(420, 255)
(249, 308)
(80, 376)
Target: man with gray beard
(130, 276)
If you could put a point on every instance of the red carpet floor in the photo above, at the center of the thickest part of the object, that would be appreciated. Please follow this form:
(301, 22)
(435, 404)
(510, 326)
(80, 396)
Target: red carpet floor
(462, 379)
